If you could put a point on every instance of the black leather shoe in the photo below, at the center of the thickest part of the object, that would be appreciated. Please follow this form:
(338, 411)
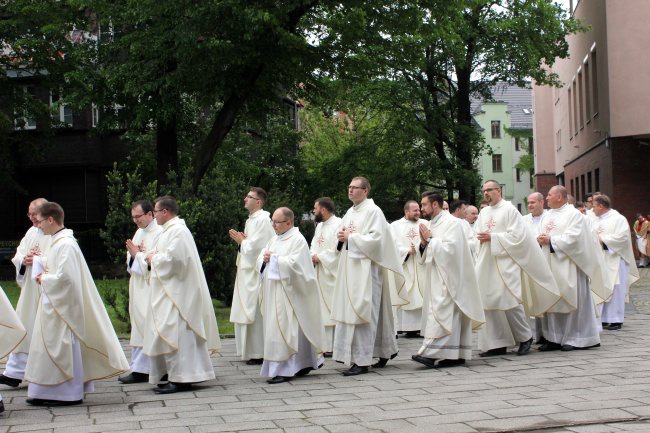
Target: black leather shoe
(541, 341)
(255, 361)
(549, 346)
(278, 379)
(356, 370)
(494, 352)
(614, 326)
(383, 361)
(450, 362)
(304, 372)
(429, 362)
(134, 377)
(412, 334)
(9, 381)
(524, 347)
(51, 403)
(171, 388)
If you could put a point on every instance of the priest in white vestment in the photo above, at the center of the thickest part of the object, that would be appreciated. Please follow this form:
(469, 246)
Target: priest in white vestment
(535, 202)
(641, 226)
(452, 301)
(143, 242)
(572, 252)
(508, 251)
(33, 247)
(245, 312)
(294, 335)
(458, 209)
(181, 328)
(406, 233)
(74, 342)
(12, 331)
(369, 265)
(613, 233)
(471, 214)
(325, 258)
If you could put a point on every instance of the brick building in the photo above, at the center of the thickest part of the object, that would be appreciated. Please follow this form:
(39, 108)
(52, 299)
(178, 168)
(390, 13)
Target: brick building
(593, 134)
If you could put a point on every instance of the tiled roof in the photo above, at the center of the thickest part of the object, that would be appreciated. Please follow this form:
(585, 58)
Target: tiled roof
(519, 100)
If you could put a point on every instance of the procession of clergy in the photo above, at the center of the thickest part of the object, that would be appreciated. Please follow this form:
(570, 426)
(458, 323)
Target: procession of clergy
(553, 276)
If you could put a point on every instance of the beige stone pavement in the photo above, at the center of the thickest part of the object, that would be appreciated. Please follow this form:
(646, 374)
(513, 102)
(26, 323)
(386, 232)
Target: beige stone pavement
(591, 391)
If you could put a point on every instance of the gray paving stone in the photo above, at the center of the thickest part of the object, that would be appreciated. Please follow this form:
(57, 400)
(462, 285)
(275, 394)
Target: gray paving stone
(604, 415)
(509, 424)
(98, 428)
(234, 427)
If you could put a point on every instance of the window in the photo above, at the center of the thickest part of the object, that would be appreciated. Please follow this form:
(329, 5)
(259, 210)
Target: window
(496, 128)
(597, 179)
(61, 112)
(95, 115)
(577, 194)
(594, 81)
(587, 90)
(583, 185)
(581, 108)
(573, 191)
(518, 174)
(496, 163)
(516, 143)
(530, 146)
(22, 120)
(531, 181)
(570, 107)
(575, 108)
(589, 182)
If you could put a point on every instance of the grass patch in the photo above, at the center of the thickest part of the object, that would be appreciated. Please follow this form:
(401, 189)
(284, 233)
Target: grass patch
(114, 293)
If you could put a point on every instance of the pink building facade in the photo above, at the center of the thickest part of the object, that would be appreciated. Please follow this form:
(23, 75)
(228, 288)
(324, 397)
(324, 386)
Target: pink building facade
(593, 134)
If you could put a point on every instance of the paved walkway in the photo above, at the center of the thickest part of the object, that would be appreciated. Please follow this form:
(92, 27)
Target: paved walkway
(599, 390)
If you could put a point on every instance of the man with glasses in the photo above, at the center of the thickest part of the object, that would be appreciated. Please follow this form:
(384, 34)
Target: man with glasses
(33, 247)
(74, 342)
(361, 304)
(508, 249)
(181, 328)
(143, 242)
(245, 312)
(294, 335)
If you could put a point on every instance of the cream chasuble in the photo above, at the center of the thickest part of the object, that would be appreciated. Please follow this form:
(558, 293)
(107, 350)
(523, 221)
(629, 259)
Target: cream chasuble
(470, 236)
(324, 245)
(450, 279)
(290, 299)
(70, 305)
(370, 242)
(246, 294)
(406, 234)
(27, 304)
(12, 332)
(513, 249)
(179, 296)
(574, 247)
(139, 290)
(614, 231)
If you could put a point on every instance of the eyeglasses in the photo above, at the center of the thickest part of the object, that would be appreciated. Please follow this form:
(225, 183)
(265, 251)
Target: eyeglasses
(250, 196)
(40, 221)
(275, 223)
(135, 217)
(489, 189)
(355, 187)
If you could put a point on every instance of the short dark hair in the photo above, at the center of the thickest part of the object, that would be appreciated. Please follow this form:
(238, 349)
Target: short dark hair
(52, 209)
(365, 183)
(433, 196)
(408, 204)
(579, 204)
(167, 202)
(603, 200)
(326, 203)
(260, 193)
(146, 205)
(456, 204)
